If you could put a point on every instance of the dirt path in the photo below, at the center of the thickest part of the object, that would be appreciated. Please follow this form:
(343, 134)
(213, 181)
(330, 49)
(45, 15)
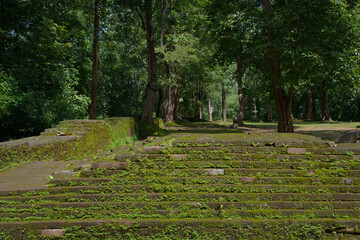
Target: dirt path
(31, 175)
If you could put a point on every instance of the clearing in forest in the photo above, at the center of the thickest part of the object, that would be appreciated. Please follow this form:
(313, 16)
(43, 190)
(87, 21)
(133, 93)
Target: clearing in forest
(200, 181)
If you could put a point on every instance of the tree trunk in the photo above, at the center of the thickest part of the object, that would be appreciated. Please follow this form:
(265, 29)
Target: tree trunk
(164, 7)
(198, 113)
(167, 105)
(309, 106)
(223, 118)
(95, 58)
(325, 107)
(151, 88)
(241, 69)
(283, 101)
(210, 109)
(176, 102)
(269, 112)
(255, 110)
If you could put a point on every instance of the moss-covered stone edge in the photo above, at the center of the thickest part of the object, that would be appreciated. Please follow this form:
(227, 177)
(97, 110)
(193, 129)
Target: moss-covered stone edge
(84, 138)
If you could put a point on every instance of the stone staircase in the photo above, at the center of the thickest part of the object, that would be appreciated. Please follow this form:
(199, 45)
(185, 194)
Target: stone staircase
(199, 186)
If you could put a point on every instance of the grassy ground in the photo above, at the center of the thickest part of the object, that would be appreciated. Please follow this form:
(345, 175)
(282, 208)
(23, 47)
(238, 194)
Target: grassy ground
(326, 131)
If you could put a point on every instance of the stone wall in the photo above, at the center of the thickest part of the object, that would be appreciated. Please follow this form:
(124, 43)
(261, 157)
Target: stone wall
(81, 138)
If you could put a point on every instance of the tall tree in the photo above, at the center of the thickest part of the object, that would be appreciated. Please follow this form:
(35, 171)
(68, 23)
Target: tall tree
(241, 69)
(95, 59)
(325, 102)
(283, 100)
(223, 103)
(151, 92)
(309, 105)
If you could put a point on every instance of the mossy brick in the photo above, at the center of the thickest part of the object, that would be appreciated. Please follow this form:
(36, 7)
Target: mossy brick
(159, 122)
(109, 165)
(52, 232)
(179, 156)
(300, 151)
(153, 149)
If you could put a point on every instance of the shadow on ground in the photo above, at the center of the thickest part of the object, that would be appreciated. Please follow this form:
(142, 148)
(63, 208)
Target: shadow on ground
(327, 131)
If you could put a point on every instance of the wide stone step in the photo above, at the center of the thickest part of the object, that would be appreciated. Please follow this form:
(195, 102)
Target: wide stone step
(250, 177)
(229, 197)
(237, 156)
(219, 213)
(247, 185)
(244, 164)
(222, 228)
(254, 141)
(211, 170)
(179, 205)
(349, 151)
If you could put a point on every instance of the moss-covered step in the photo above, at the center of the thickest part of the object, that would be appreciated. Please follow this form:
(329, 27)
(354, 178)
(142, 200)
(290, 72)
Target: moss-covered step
(180, 188)
(230, 197)
(173, 164)
(178, 205)
(246, 138)
(234, 172)
(253, 149)
(93, 136)
(180, 214)
(240, 172)
(243, 176)
(178, 229)
(235, 156)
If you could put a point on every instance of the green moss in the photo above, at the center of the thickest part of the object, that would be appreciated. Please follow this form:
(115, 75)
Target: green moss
(159, 122)
(88, 137)
(150, 129)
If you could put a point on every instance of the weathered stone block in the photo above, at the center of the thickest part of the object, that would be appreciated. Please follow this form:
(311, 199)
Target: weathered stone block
(51, 232)
(214, 172)
(247, 179)
(179, 156)
(153, 149)
(159, 122)
(110, 165)
(348, 137)
(300, 151)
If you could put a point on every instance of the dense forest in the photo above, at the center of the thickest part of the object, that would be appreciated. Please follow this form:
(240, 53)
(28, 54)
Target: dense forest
(270, 60)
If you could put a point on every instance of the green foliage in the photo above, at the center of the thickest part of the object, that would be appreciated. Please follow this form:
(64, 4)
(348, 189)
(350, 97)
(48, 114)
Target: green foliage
(45, 46)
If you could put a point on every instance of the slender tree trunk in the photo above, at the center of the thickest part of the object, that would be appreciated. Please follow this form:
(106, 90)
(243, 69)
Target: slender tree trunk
(177, 93)
(309, 106)
(283, 100)
(210, 109)
(325, 107)
(151, 88)
(95, 65)
(164, 7)
(269, 112)
(255, 110)
(223, 118)
(241, 69)
(198, 113)
(313, 112)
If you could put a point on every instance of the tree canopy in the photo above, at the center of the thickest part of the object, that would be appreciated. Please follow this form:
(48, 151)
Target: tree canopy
(263, 60)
